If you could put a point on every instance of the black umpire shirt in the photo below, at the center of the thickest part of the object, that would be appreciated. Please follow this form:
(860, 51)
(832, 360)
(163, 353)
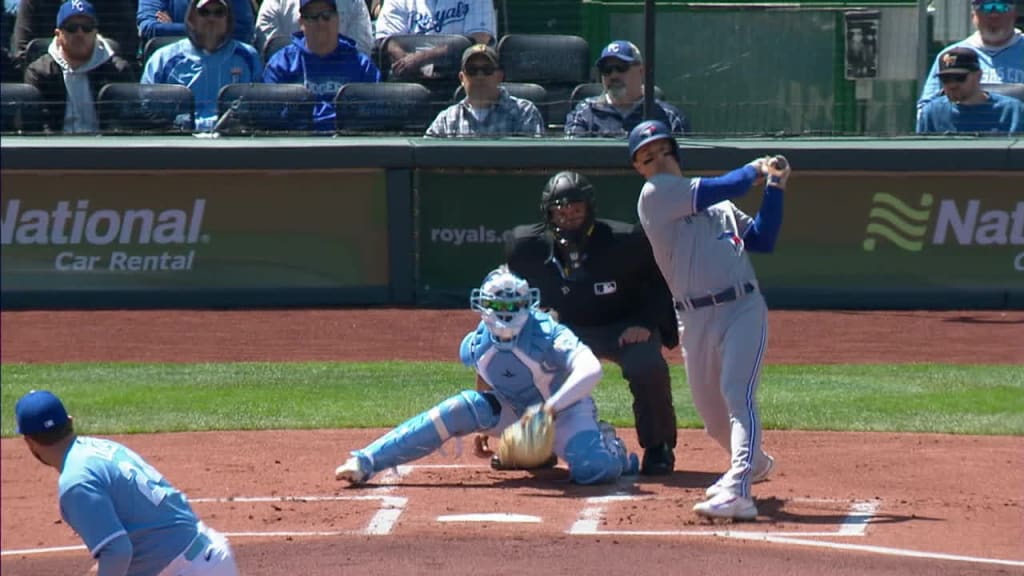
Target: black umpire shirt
(618, 281)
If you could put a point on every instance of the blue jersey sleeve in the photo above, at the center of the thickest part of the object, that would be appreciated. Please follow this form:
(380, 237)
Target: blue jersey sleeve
(89, 510)
(762, 234)
(711, 191)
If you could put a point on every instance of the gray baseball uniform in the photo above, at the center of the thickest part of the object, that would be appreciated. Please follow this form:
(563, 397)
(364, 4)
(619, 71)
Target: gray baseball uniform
(722, 317)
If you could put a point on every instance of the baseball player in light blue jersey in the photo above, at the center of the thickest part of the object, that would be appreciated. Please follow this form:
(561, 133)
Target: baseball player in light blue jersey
(131, 519)
(700, 241)
(525, 358)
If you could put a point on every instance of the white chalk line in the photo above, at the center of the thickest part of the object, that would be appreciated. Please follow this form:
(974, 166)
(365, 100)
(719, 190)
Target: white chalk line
(587, 523)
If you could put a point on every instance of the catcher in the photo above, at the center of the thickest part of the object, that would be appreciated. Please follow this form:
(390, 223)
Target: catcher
(540, 377)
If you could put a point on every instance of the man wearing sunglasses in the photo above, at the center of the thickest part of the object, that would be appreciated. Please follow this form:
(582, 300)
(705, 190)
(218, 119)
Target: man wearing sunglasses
(207, 60)
(1000, 48)
(76, 65)
(964, 106)
(488, 109)
(281, 18)
(621, 107)
(167, 18)
(321, 60)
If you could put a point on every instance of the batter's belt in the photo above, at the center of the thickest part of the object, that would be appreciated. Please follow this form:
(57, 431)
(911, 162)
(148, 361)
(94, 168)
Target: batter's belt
(727, 295)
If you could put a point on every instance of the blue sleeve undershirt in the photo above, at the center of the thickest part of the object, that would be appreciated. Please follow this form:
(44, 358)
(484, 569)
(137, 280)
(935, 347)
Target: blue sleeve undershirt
(764, 231)
(711, 191)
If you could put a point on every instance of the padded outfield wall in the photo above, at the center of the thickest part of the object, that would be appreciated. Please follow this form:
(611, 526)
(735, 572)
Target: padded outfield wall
(180, 222)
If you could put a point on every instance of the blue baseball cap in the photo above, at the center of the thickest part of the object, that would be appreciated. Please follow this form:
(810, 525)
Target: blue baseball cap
(623, 50)
(39, 411)
(646, 132)
(75, 8)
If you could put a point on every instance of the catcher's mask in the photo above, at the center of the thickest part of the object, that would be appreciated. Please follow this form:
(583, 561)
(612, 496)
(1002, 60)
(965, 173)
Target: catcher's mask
(562, 189)
(504, 302)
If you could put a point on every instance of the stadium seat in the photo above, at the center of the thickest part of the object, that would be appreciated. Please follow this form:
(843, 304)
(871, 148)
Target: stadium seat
(21, 108)
(155, 43)
(533, 92)
(591, 89)
(387, 106)
(248, 108)
(1007, 89)
(133, 108)
(441, 75)
(558, 62)
(273, 44)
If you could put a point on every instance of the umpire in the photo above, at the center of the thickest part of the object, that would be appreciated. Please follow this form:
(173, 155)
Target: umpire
(600, 278)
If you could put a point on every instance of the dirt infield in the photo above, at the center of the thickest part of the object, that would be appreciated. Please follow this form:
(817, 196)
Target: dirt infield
(839, 503)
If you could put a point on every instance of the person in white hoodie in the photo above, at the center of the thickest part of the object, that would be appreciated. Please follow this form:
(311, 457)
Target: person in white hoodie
(999, 44)
(281, 18)
(77, 64)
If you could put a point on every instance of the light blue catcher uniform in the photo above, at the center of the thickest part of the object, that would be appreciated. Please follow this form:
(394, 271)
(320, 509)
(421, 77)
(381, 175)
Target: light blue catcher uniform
(527, 359)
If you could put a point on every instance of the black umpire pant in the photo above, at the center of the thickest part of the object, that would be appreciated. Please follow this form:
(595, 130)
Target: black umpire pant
(645, 369)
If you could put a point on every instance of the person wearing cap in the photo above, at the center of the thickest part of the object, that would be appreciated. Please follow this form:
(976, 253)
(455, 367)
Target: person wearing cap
(131, 519)
(167, 18)
(963, 105)
(207, 60)
(599, 277)
(701, 241)
(1000, 48)
(321, 60)
(78, 62)
(621, 106)
(281, 18)
(472, 18)
(488, 109)
(35, 20)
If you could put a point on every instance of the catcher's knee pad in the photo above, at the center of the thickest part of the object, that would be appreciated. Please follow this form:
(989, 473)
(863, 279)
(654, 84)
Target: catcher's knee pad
(595, 459)
(467, 412)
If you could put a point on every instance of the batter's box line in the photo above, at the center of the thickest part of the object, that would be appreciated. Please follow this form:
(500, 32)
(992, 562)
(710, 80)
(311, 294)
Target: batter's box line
(589, 521)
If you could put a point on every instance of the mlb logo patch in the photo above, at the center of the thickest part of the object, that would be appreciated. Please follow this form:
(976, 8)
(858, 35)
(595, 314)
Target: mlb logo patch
(605, 288)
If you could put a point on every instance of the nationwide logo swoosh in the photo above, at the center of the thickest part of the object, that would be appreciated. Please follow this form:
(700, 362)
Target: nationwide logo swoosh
(897, 222)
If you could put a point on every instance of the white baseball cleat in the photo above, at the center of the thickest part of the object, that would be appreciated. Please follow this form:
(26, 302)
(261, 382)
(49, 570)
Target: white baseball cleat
(727, 505)
(758, 477)
(352, 470)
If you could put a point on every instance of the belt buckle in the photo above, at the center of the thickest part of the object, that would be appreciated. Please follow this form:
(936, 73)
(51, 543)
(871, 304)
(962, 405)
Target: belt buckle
(714, 299)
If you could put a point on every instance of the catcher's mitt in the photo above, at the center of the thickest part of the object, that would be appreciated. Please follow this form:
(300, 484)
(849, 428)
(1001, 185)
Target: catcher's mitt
(528, 442)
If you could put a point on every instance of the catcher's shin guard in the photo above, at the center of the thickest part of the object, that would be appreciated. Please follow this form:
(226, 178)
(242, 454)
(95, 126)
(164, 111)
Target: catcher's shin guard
(466, 412)
(599, 456)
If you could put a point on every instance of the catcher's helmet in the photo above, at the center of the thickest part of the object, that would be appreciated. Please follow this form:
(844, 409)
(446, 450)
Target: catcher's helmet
(650, 131)
(504, 302)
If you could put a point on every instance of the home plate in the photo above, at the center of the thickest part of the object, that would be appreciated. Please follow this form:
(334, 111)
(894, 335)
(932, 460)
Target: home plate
(493, 517)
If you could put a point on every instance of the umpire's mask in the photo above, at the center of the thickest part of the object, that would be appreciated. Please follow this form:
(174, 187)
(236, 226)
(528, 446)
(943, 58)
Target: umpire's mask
(563, 189)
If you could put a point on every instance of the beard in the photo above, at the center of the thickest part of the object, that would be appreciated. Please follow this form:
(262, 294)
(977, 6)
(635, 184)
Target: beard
(617, 91)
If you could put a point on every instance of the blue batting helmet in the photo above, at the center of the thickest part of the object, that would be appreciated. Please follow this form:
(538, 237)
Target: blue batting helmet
(650, 131)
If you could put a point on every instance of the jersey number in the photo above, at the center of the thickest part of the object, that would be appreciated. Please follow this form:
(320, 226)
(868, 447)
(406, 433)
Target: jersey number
(146, 478)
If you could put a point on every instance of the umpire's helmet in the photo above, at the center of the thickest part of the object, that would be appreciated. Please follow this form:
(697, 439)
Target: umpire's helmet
(650, 131)
(565, 188)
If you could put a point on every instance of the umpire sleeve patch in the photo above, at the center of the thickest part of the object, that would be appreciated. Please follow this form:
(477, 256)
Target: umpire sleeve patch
(605, 288)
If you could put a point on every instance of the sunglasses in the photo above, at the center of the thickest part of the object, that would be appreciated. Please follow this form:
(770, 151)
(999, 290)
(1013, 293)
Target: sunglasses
(950, 78)
(479, 70)
(620, 68)
(504, 305)
(994, 8)
(323, 16)
(215, 13)
(73, 28)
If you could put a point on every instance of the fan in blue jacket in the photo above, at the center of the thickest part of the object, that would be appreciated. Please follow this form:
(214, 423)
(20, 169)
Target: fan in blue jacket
(320, 59)
(207, 60)
(167, 18)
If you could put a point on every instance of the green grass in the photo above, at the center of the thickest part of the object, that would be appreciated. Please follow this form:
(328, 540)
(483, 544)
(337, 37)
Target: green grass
(129, 398)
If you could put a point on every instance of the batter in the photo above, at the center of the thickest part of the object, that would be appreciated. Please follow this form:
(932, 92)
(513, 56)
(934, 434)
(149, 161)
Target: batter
(700, 241)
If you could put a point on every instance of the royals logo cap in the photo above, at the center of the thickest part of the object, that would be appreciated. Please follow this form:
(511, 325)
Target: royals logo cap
(39, 411)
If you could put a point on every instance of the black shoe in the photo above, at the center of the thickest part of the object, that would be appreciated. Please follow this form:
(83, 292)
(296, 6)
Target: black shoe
(658, 461)
(497, 465)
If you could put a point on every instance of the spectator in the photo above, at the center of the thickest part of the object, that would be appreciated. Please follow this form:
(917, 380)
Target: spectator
(207, 60)
(167, 18)
(35, 18)
(473, 18)
(320, 59)
(999, 45)
(281, 18)
(77, 64)
(600, 279)
(621, 106)
(487, 109)
(964, 106)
